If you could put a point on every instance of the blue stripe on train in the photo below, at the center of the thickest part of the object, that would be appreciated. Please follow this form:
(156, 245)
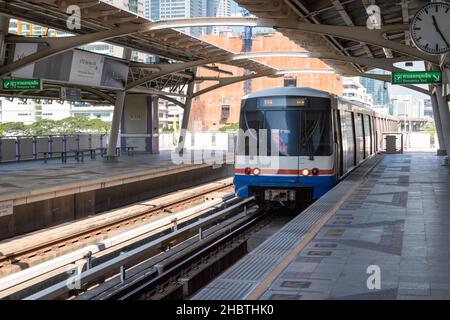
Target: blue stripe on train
(320, 184)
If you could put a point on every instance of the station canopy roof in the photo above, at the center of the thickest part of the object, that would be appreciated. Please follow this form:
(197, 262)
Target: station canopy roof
(98, 16)
(338, 13)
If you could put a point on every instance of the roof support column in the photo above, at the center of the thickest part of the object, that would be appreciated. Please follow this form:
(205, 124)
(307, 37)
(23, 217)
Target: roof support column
(186, 114)
(437, 122)
(4, 28)
(155, 124)
(117, 117)
(444, 115)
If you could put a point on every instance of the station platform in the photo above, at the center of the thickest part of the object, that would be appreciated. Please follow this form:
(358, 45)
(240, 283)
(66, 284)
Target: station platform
(35, 195)
(387, 223)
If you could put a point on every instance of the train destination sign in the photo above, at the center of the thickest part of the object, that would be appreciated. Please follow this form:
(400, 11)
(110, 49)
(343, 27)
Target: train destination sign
(22, 84)
(416, 77)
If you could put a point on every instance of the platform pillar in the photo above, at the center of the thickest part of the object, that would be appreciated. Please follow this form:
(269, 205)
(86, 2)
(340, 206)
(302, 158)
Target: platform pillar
(4, 28)
(186, 114)
(154, 127)
(115, 126)
(445, 116)
(437, 122)
(117, 117)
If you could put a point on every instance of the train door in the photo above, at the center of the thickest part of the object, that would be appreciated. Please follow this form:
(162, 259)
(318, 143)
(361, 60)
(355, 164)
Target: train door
(348, 140)
(338, 147)
(359, 134)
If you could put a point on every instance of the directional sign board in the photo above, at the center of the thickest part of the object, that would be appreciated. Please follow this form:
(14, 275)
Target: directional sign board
(416, 77)
(22, 84)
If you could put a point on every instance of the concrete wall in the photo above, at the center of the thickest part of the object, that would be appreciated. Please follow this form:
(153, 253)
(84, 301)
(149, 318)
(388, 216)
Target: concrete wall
(134, 131)
(43, 214)
(206, 109)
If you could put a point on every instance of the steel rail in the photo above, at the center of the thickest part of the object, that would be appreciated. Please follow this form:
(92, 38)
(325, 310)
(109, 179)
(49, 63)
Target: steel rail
(30, 251)
(164, 223)
(120, 261)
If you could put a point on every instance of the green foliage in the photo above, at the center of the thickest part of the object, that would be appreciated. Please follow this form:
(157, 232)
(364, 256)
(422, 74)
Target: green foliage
(43, 127)
(13, 129)
(432, 131)
(230, 127)
(167, 129)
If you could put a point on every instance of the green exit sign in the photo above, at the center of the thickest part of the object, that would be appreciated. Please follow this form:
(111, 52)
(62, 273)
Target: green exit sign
(416, 77)
(22, 84)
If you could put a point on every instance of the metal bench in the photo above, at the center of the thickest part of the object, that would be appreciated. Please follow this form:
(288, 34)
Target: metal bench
(46, 153)
(81, 152)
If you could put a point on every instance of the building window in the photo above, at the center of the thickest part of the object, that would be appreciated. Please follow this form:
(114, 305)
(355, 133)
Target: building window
(225, 113)
(290, 82)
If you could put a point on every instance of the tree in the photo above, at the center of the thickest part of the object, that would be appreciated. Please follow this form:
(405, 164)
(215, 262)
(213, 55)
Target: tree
(44, 127)
(14, 129)
(230, 127)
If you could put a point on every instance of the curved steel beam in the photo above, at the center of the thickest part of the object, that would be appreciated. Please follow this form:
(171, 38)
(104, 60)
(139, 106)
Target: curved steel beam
(356, 33)
(230, 80)
(204, 22)
(99, 93)
(173, 68)
(58, 45)
(174, 101)
(386, 64)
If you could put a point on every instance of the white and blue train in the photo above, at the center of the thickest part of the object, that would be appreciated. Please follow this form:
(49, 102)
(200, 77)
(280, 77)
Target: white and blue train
(316, 139)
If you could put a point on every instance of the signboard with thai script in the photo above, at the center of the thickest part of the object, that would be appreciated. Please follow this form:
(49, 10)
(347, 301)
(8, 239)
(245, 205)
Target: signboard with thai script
(416, 77)
(21, 84)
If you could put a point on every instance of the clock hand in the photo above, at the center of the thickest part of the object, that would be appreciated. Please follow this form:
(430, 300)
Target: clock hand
(439, 31)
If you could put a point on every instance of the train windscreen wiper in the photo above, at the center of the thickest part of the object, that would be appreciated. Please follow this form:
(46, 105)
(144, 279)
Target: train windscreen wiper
(308, 141)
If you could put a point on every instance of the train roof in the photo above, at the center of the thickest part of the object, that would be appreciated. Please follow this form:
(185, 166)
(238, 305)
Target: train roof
(289, 91)
(310, 92)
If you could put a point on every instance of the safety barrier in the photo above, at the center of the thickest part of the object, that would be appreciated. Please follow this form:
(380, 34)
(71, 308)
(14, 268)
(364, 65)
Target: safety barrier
(31, 147)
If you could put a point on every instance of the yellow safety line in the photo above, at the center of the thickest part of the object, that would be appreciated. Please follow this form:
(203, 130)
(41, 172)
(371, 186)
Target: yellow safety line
(270, 278)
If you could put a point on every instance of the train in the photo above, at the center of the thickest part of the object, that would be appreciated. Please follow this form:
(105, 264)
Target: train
(295, 144)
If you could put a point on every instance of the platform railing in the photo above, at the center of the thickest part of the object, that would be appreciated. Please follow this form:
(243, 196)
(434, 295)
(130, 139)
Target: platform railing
(19, 148)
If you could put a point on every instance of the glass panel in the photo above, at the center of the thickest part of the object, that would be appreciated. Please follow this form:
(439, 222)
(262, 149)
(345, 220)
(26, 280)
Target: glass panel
(316, 133)
(283, 130)
(250, 123)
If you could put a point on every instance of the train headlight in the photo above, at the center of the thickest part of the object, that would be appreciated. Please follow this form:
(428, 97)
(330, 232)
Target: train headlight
(256, 171)
(315, 171)
(247, 171)
(305, 172)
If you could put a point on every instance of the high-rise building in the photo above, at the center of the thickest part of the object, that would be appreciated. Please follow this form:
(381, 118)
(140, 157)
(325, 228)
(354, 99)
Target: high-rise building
(136, 6)
(176, 9)
(218, 8)
(408, 106)
(353, 90)
(378, 89)
(428, 109)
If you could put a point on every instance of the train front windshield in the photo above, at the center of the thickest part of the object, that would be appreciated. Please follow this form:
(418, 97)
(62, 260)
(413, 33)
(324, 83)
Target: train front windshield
(294, 132)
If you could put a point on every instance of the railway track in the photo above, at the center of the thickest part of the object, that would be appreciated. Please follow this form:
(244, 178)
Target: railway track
(135, 273)
(31, 253)
(126, 231)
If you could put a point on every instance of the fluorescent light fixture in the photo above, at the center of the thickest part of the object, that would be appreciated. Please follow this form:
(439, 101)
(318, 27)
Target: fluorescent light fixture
(203, 22)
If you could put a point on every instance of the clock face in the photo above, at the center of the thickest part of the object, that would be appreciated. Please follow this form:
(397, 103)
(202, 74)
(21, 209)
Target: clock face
(430, 28)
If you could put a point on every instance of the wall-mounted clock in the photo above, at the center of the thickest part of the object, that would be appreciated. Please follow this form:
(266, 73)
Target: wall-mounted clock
(430, 28)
